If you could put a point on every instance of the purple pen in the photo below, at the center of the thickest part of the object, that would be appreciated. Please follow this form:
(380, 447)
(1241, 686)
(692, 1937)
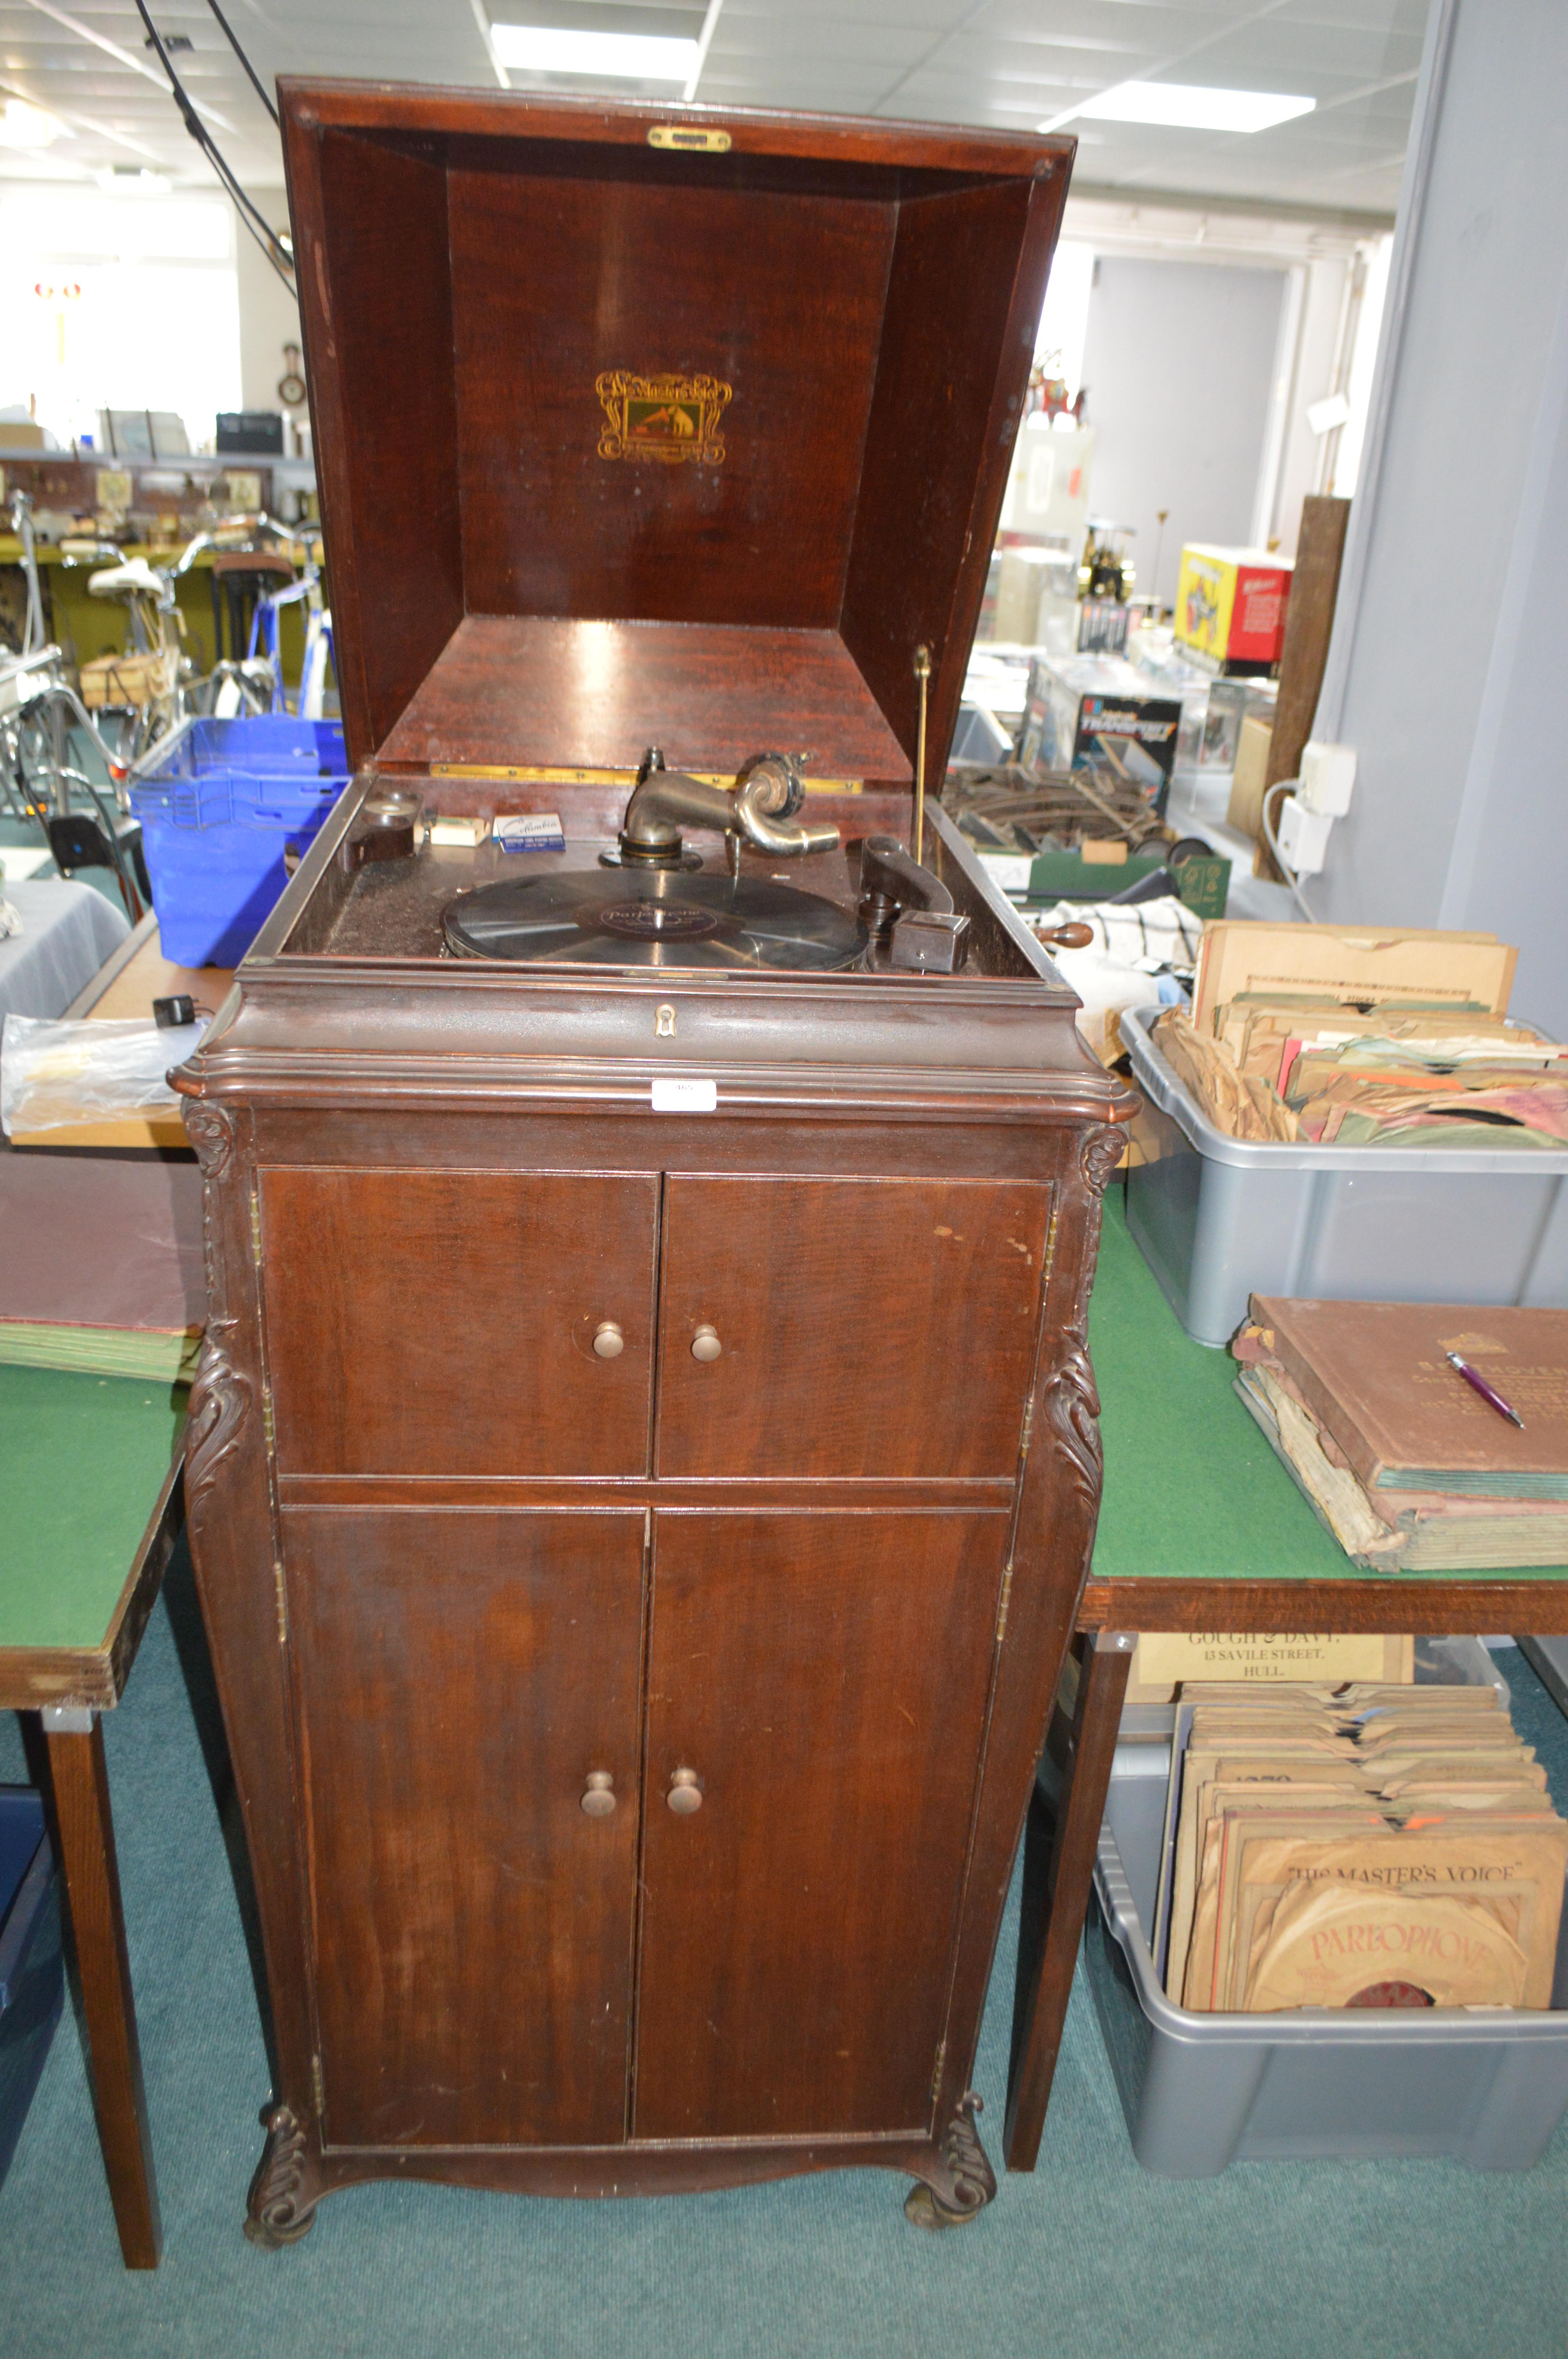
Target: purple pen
(1493, 1400)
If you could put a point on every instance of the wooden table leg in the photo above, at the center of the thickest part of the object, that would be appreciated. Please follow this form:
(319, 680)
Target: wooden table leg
(82, 1830)
(1058, 1865)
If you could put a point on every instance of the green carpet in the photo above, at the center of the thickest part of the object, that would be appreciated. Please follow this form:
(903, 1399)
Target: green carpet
(1089, 2257)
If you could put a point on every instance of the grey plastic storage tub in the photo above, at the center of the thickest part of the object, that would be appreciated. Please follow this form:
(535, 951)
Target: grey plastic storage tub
(32, 1983)
(1487, 2087)
(1219, 1218)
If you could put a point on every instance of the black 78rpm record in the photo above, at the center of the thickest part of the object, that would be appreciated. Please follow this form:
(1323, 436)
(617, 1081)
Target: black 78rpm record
(619, 918)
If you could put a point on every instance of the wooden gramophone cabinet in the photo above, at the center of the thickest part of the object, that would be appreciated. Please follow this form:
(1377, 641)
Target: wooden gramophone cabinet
(644, 1460)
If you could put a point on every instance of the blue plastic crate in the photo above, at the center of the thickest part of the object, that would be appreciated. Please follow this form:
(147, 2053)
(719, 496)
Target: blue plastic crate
(262, 741)
(32, 1981)
(216, 819)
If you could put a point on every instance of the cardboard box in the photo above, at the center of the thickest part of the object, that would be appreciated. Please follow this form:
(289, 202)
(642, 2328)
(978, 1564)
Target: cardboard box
(1231, 604)
(1048, 486)
(1027, 578)
(1368, 965)
(1092, 713)
(1164, 1661)
(1244, 812)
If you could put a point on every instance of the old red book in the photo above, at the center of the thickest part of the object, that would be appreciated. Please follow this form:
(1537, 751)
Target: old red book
(102, 1267)
(1375, 1376)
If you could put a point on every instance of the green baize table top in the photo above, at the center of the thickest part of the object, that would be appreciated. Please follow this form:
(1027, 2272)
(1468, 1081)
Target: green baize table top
(82, 1460)
(1192, 1490)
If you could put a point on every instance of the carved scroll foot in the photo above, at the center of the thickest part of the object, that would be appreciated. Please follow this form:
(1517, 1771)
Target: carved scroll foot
(274, 2216)
(963, 2181)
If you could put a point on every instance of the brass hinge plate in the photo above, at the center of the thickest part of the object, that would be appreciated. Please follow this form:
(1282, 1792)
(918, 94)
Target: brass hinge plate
(256, 1226)
(317, 2087)
(269, 1422)
(937, 2070)
(1050, 1247)
(1006, 1599)
(282, 1605)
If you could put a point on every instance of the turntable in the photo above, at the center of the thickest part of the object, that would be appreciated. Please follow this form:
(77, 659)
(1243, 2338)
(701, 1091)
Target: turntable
(642, 1464)
(659, 920)
(656, 912)
(643, 906)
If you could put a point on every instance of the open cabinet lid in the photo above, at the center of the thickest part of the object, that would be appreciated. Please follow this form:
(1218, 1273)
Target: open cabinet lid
(658, 425)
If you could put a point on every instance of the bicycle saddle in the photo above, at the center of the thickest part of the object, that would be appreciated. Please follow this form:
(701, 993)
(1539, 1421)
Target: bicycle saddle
(136, 575)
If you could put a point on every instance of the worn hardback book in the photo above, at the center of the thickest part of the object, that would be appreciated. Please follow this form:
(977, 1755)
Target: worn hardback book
(1376, 1378)
(101, 1268)
(1403, 1531)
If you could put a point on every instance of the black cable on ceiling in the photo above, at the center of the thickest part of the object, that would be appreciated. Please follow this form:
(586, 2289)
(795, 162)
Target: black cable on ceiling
(255, 220)
(256, 85)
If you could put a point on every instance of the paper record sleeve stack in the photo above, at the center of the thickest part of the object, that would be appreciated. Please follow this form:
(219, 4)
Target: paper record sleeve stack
(1366, 1846)
(1337, 1038)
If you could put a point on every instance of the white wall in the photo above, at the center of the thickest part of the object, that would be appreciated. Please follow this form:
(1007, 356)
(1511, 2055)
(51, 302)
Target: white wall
(98, 294)
(1179, 361)
(1324, 289)
(1446, 666)
(269, 316)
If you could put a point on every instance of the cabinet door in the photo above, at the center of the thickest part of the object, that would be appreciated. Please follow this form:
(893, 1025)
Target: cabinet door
(823, 1680)
(460, 1677)
(881, 1327)
(443, 1322)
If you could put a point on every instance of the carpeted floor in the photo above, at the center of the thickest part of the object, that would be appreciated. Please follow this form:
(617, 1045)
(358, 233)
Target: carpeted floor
(1089, 2257)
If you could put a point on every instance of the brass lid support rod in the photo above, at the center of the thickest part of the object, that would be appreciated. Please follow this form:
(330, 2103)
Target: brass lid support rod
(923, 679)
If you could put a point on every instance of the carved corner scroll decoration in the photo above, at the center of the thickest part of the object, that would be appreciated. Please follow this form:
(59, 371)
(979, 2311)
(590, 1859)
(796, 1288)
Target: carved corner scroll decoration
(1069, 1397)
(1072, 1412)
(220, 1397)
(220, 1403)
(667, 418)
(211, 1130)
(963, 2181)
(1100, 1153)
(274, 2216)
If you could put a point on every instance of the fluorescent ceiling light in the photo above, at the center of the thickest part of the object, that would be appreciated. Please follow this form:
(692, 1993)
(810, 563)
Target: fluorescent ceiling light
(1187, 106)
(22, 125)
(614, 57)
(115, 179)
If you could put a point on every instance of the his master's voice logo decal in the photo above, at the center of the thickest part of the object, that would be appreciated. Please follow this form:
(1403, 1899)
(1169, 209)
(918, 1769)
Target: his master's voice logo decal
(665, 418)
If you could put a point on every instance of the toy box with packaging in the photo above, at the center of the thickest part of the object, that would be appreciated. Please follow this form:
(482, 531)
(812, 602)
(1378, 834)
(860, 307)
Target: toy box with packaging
(1087, 712)
(1230, 607)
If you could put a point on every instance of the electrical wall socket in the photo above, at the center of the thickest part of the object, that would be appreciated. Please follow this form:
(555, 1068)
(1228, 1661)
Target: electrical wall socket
(1327, 778)
(1303, 836)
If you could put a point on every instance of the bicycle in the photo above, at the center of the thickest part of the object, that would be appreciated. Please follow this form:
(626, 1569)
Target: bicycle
(264, 643)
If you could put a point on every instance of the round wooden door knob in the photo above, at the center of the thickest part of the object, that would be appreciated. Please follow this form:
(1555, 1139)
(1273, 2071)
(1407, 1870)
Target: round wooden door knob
(608, 1340)
(685, 1794)
(705, 1343)
(597, 1799)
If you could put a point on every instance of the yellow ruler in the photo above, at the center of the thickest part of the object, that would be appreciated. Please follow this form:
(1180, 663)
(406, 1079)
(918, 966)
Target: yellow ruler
(524, 774)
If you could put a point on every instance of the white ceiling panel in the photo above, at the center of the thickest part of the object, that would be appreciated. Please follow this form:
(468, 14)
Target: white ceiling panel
(1009, 63)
